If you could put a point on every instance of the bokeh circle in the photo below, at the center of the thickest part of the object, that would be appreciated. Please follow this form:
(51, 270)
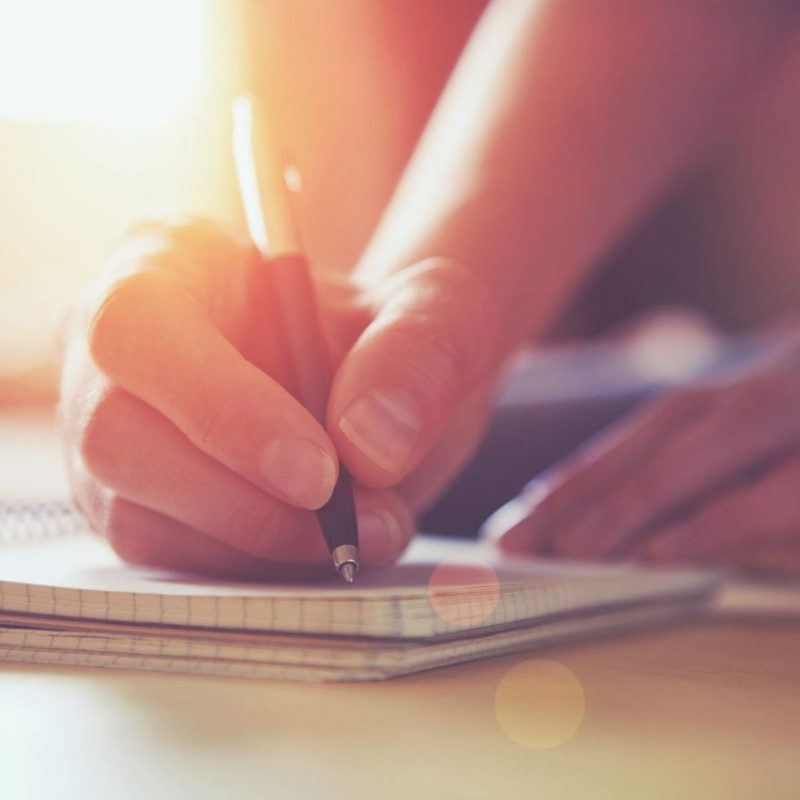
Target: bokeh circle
(464, 591)
(539, 703)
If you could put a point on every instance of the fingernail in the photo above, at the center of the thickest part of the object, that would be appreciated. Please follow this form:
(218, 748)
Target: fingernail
(384, 426)
(300, 471)
(379, 536)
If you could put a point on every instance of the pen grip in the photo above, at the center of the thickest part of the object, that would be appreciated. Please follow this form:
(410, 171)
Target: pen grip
(302, 331)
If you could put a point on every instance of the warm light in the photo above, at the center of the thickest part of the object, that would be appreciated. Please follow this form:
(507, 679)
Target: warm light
(116, 62)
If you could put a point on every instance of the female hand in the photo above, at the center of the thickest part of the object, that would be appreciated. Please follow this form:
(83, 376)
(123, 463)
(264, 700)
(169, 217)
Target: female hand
(709, 473)
(185, 449)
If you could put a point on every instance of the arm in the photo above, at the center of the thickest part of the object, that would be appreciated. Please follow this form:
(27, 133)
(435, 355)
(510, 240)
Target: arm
(561, 123)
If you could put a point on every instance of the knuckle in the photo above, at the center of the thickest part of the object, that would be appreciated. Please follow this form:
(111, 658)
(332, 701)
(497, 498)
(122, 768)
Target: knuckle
(426, 356)
(114, 324)
(452, 277)
(452, 315)
(188, 249)
(100, 416)
(466, 295)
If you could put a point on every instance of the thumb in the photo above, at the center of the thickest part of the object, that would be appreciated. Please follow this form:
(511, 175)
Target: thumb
(434, 336)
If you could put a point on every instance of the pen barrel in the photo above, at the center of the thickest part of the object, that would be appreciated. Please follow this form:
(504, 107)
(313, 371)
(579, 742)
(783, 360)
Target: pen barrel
(302, 330)
(311, 375)
(337, 518)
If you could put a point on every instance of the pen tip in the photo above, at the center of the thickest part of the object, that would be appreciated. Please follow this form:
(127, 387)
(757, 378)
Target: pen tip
(348, 571)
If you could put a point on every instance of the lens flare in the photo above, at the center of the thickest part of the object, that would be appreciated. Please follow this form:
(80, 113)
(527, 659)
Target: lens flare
(464, 591)
(539, 703)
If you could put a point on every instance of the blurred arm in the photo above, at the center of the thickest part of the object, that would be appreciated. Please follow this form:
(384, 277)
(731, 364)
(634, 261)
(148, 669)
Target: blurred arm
(562, 122)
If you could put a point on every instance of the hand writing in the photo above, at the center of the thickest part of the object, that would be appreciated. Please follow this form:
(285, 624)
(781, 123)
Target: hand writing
(709, 473)
(185, 449)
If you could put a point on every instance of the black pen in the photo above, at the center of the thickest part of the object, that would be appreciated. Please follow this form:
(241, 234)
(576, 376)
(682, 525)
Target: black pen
(264, 194)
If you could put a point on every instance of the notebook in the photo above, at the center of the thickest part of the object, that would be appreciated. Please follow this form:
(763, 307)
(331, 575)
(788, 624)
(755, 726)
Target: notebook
(65, 598)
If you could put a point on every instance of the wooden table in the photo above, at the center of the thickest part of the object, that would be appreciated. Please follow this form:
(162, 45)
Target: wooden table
(708, 710)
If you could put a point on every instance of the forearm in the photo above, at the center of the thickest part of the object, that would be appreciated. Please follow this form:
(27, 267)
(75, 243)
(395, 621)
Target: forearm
(561, 123)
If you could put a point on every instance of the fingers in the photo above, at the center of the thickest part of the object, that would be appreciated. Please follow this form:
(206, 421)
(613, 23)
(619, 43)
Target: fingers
(138, 456)
(137, 453)
(184, 453)
(146, 538)
(534, 520)
(604, 460)
(764, 514)
(605, 499)
(154, 340)
(737, 425)
(669, 475)
(433, 337)
(743, 425)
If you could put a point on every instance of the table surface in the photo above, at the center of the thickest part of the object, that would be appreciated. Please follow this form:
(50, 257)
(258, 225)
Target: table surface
(710, 709)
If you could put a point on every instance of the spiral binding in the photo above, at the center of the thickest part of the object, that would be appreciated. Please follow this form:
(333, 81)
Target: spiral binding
(38, 520)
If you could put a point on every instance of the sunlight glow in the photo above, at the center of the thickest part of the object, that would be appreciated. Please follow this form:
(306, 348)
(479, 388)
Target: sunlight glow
(114, 62)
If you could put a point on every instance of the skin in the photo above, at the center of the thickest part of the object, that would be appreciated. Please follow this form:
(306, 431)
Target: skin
(707, 474)
(561, 125)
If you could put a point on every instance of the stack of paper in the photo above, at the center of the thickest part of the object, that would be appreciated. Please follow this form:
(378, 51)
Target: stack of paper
(66, 599)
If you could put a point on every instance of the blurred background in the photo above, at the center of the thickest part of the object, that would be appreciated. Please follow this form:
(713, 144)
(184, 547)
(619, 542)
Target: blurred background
(108, 110)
